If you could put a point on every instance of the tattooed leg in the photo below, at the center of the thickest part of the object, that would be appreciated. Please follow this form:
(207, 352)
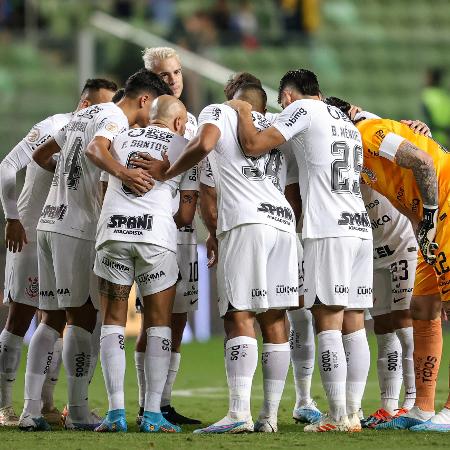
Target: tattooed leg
(114, 300)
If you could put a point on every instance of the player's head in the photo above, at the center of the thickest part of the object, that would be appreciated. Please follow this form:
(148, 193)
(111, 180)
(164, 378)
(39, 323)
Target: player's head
(118, 95)
(141, 89)
(253, 94)
(166, 63)
(297, 84)
(169, 111)
(95, 91)
(236, 81)
(339, 103)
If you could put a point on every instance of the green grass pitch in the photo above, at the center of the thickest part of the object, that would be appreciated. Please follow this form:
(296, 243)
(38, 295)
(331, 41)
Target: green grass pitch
(200, 391)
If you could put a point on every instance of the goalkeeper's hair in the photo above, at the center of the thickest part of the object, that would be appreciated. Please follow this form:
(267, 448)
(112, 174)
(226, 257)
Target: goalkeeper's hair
(154, 54)
(339, 103)
(237, 80)
(302, 80)
(145, 81)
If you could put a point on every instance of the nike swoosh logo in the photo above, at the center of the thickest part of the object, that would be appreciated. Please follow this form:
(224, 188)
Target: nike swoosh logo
(410, 393)
(192, 302)
(396, 300)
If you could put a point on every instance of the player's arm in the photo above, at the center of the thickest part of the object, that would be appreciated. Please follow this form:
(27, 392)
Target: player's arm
(186, 210)
(18, 158)
(43, 155)
(208, 209)
(98, 152)
(292, 194)
(254, 142)
(197, 149)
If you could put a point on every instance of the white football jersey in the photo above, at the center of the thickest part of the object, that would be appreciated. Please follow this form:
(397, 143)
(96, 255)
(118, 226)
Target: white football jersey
(189, 182)
(74, 200)
(328, 150)
(147, 218)
(393, 236)
(249, 189)
(29, 205)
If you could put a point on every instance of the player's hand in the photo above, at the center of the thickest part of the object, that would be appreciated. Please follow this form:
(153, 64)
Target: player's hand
(426, 234)
(353, 111)
(212, 250)
(154, 167)
(138, 180)
(15, 236)
(239, 105)
(418, 127)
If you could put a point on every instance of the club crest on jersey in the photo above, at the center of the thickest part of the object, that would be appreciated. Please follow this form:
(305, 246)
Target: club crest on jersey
(355, 221)
(130, 224)
(33, 288)
(33, 135)
(281, 214)
(295, 116)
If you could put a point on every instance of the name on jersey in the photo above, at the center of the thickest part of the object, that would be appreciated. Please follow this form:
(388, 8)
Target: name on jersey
(380, 221)
(355, 221)
(281, 214)
(295, 116)
(77, 125)
(130, 224)
(347, 133)
(53, 212)
(149, 145)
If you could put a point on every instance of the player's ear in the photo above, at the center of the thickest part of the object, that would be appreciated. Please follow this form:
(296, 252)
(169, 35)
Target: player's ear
(143, 100)
(85, 103)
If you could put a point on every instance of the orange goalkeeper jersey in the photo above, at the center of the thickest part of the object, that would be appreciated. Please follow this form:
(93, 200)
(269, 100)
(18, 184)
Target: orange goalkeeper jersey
(391, 180)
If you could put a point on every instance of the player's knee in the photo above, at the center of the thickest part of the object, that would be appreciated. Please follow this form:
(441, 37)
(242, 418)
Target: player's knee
(426, 307)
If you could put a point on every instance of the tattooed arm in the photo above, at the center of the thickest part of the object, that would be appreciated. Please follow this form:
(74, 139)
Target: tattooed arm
(186, 210)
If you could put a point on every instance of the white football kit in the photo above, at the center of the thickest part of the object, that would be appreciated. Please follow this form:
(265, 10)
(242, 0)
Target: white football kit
(336, 227)
(67, 226)
(255, 225)
(136, 235)
(21, 269)
(394, 254)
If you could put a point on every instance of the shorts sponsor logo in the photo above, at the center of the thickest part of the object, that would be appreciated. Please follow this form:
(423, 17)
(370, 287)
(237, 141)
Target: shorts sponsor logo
(295, 116)
(33, 287)
(341, 289)
(256, 292)
(190, 292)
(130, 224)
(50, 293)
(281, 214)
(382, 252)
(355, 221)
(380, 221)
(364, 290)
(399, 290)
(115, 265)
(50, 213)
(150, 277)
(283, 289)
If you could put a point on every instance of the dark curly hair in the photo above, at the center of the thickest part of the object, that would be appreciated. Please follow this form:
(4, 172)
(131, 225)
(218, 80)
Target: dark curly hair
(302, 80)
(146, 81)
(238, 80)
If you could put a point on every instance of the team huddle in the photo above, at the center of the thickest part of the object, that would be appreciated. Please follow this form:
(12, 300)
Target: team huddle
(322, 214)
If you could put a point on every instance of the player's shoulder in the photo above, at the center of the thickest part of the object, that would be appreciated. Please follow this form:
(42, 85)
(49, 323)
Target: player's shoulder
(47, 127)
(192, 120)
(215, 111)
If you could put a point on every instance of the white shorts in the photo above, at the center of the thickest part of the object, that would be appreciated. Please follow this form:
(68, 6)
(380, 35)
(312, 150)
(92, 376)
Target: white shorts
(66, 279)
(393, 287)
(338, 272)
(21, 276)
(301, 266)
(257, 269)
(154, 268)
(186, 298)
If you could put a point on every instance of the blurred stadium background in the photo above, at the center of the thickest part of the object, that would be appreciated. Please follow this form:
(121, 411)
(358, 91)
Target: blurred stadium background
(379, 54)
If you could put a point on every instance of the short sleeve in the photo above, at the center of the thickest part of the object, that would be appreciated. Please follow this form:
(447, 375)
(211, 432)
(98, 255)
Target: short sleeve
(374, 134)
(293, 120)
(206, 175)
(214, 115)
(111, 126)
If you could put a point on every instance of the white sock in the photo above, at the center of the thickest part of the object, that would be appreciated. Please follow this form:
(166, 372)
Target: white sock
(174, 365)
(76, 358)
(95, 346)
(405, 336)
(333, 371)
(139, 362)
(52, 376)
(357, 352)
(303, 348)
(10, 353)
(389, 370)
(39, 358)
(275, 359)
(112, 356)
(157, 361)
(241, 359)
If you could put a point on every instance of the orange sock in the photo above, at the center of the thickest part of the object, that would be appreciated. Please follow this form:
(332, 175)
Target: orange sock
(447, 405)
(427, 358)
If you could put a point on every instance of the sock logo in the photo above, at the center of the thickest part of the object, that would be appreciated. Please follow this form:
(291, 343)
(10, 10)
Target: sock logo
(121, 341)
(81, 364)
(326, 361)
(425, 368)
(166, 345)
(392, 361)
(235, 352)
(49, 361)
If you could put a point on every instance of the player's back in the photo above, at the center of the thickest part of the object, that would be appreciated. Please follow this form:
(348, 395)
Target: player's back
(146, 218)
(396, 183)
(249, 189)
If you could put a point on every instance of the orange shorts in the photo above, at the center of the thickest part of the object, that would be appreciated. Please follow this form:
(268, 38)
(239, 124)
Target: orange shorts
(431, 280)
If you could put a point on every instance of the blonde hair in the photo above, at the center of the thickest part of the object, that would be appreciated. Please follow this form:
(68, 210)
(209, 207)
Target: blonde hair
(153, 54)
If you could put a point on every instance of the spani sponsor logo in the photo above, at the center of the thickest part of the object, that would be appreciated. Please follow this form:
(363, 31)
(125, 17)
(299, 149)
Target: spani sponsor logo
(355, 221)
(279, 213)
(130, 224)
